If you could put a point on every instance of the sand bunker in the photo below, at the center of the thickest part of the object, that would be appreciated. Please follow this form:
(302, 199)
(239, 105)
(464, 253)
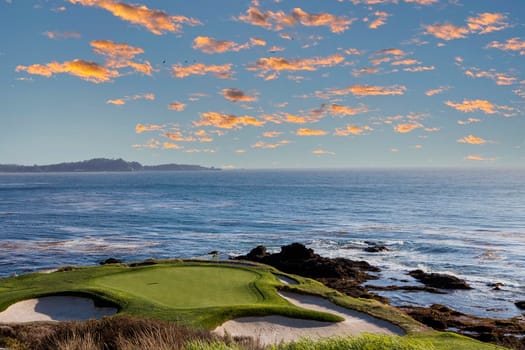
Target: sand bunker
(55, 308)
(274, 329)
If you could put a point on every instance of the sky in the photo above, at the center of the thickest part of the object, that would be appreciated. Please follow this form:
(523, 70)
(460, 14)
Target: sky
(264, 83)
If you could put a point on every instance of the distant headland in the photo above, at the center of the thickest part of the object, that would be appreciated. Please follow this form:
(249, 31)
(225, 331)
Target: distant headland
(98, 164)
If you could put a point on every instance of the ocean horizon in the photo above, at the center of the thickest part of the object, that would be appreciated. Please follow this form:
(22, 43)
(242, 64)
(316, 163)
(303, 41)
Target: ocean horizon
(465, 222)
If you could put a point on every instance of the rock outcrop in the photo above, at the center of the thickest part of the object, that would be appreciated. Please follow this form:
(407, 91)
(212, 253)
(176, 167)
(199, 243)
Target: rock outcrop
(439, 280)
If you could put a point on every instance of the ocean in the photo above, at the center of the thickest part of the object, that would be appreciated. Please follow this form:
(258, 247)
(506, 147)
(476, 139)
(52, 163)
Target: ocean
(469, 223)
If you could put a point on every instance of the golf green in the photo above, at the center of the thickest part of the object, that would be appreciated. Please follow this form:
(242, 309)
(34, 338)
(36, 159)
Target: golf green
(187, 286)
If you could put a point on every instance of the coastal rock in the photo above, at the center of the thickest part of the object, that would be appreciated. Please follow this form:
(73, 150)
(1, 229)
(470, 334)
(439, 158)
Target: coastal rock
(439, 280)
(342, 274)
(111, 261)
(376, 249)
(508, 333)
(520, 304)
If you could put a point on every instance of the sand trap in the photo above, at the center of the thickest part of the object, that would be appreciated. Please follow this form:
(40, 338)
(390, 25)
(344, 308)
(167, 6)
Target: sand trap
(55, 308)
(274, 329)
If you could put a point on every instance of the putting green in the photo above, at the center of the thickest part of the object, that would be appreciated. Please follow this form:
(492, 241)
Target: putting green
(187, 286)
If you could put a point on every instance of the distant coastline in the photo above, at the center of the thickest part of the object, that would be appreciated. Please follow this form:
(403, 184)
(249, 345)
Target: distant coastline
(100, 164)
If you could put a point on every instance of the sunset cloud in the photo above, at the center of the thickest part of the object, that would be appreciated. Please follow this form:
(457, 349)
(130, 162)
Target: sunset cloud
(62, 35)
(310, 132)
(321, 152)
(379, 20)
(341, 110)
(473, 140)
(177, 106)
(236, 95)
(352, 130)
(437, 91)
(446, 31)
(366, 90)
(271, 134)
(227, 121)
(267, 65)
(222, 71)
(476, 157)
(210, 46)
(278, 20)
(407, 127)
(156, 21)
(120, 55)
(140, 128)
(419, 69)
(469, 121)
(498, 78)
(473, 105)
(123, 100)
(487, 22)
(171, 145)
(513, 44)
(85, 70)
(482, 24)
(264, 145)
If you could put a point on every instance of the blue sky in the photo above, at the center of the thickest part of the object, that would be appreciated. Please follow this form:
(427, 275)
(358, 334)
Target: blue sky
(264, 84)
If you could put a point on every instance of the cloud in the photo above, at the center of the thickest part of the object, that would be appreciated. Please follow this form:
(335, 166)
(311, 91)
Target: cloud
(367, 90)
(85, 70)
(513, 44)
(210, 46)
(352, 130)
(437, 91)
(473, 140)
(222, 71)
(271, 134)
(278, 20)
(120, 55)
(474, 105)
(227, 121)
(178, 136)
(406, 62)
(379, 20)
(482, 24)
(171, 145)
(336, 109)
(423, 2)
(477, 157)
(267, 65)
(264, 145)
(156, 21)
(177, 106)
(140, 128)
(121, 101)
(468, 121)
(446, 31)
(407, 127)
(487, 22)
(62, 35)
(419, 69)
(499, 78)
(310, 132)
(321, 152)
(236, 95)
(150, 144)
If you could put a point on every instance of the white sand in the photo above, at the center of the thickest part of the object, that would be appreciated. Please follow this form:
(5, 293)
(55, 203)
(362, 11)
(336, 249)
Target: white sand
(274, 329)
(54, 308)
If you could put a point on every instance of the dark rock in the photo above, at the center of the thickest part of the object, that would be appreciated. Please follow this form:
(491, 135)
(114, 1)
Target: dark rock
(507, 333)
(439, 280)
(213, 252)
(520, 304)
(111, 261)
(496, 286)
(147, 262)
(376, 249)
(407, 288)
(342, 274)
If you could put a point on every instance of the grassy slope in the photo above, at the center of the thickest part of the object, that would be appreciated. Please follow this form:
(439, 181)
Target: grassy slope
(206, 294)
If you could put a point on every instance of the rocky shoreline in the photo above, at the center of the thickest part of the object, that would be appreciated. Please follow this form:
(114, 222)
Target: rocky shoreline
(348, 276)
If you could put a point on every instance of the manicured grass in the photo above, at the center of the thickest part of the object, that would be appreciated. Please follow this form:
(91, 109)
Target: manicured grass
(187, 286)
(206, 294)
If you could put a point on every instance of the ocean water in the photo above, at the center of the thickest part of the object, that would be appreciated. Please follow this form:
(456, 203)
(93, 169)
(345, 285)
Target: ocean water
(469, 223)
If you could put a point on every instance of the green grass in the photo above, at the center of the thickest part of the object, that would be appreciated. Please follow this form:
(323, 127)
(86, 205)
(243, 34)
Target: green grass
(204, 294)
(188, 286)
